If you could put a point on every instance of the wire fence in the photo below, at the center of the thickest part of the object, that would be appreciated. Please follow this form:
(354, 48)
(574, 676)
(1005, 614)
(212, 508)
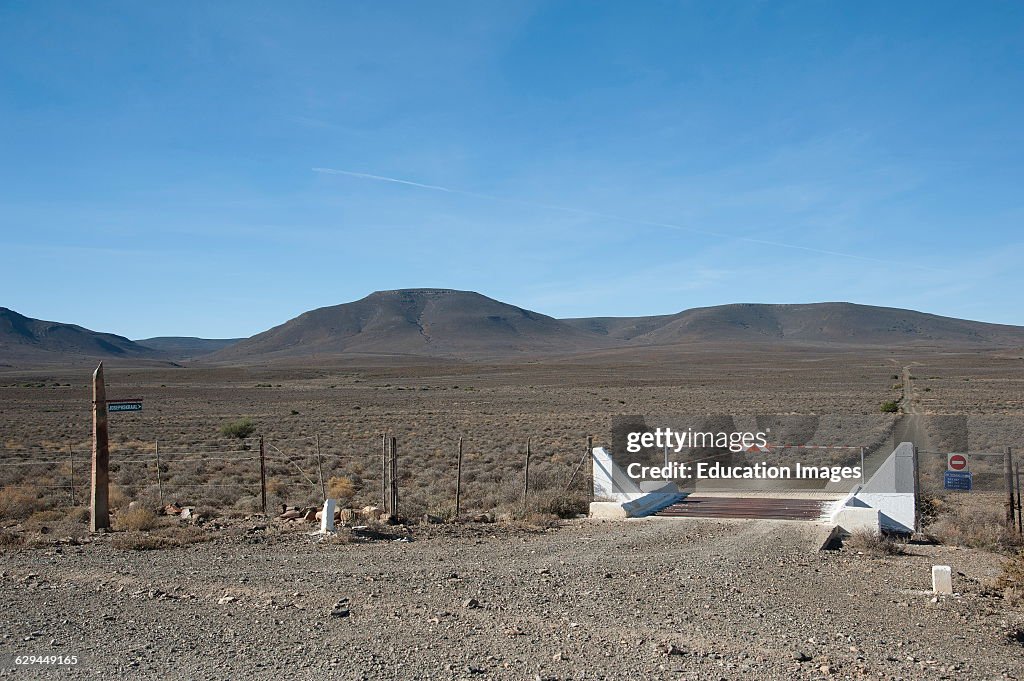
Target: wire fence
(982, 483)
(256, 475)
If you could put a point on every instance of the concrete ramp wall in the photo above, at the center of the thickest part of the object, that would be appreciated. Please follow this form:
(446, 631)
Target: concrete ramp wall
(887, 499)
(617, 496)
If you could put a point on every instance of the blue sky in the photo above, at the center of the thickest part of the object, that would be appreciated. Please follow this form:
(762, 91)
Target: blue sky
(607, 158)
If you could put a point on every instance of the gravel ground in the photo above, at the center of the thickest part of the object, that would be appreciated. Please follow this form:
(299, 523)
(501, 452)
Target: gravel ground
(645, 599)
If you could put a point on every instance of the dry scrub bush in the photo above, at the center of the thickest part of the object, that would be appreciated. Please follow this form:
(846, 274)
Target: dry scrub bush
(116, 497)
(978, 529)
(560, 504)
(136, 519)
(1012, 578)
(8, 539)
(341, 488)
(18, 503)
(49, 516)
(874, 543)
(241, 429)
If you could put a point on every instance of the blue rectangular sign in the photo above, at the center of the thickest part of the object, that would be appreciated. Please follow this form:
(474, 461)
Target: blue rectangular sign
(124, 406)
(958, 480)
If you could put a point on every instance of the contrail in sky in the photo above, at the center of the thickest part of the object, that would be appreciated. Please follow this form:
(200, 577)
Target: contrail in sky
(617, 218)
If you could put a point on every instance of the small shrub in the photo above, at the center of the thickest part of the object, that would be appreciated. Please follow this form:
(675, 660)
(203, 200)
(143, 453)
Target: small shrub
(541, 520)
(976, 529)
(561, 504)
(874, 543)
(890, 407)
(50, 516)
(18, 503)
(1011, 581)
(136, 519)
(241, 429)
(341, 488)
(116, 498)
(8, 539)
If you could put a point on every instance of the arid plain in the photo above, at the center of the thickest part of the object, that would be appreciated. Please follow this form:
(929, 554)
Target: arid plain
(529, 596)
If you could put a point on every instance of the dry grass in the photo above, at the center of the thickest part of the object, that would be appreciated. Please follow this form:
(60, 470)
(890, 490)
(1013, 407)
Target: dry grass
(138, 519)
(560, 504)
(17, 503)
(977, 528)
(341, 488)
(429, 406)
(9, 539)
(874, 543)
(1011, 582)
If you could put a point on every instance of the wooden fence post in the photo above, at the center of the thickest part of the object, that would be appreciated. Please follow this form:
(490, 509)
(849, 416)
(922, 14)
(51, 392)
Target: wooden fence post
(99, 510)
(263, 476)
(458, 484)
(526, 477)
(159, 476)
(320, 468)
(1008, 478)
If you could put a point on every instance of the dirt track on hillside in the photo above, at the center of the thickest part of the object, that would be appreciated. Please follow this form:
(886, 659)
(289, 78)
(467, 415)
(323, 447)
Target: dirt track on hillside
(645, 599)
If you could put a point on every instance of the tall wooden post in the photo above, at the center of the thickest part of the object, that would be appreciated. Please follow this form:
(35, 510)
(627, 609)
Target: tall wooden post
(1008, 477)
(159, 476)
(320, 469)
(526, 477)
(99, 510)
(263, 476)
(458, 484)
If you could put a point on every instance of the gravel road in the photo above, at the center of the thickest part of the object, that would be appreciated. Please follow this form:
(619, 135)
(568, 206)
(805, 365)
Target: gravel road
(645, 599)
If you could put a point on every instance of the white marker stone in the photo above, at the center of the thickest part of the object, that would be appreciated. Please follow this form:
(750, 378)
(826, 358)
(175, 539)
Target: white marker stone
(942, 579)
(327, 518)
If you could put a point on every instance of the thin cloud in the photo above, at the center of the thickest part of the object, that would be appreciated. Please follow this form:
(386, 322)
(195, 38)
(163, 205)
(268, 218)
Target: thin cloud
(619, 218)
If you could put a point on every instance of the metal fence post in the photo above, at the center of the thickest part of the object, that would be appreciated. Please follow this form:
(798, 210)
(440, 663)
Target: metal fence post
(320, 469)
(263, 476)
(458, 484)
(159, 476)
(526, 477)
(71, 460)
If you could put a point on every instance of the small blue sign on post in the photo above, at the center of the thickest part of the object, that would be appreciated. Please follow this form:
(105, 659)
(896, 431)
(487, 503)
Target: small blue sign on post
(124, 405)
(960, 481)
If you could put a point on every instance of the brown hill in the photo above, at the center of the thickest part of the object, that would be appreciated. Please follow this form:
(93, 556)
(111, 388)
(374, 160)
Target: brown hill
(186, 347)
(815, 323)
(462, 325)
(430, 322)
(23, 339)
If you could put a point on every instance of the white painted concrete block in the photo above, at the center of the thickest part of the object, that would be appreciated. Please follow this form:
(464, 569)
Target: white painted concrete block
(942, 579)
(856, 518)
(327, 518)
(607, 510)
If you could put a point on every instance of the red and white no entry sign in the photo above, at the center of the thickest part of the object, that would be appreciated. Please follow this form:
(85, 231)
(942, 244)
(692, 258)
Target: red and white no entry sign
(956, 462)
